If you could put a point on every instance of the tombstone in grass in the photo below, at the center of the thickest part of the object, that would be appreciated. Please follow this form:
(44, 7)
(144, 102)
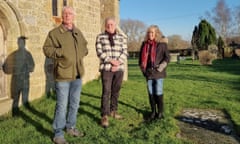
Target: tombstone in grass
(174, 57)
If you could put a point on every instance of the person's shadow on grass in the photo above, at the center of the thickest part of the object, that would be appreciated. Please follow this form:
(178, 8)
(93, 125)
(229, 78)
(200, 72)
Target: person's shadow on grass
(34, 122)
(96, 118)
(87, 104)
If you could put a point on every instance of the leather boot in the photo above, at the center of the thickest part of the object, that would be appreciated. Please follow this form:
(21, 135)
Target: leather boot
(153, 107)
(159, 101)
(104, 121)
(115, 115)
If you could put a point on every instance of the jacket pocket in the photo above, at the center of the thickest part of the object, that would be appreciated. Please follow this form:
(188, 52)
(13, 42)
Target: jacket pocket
(64, 70)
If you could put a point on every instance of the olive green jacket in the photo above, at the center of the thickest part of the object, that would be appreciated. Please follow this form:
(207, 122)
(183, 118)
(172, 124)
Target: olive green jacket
(67, 49)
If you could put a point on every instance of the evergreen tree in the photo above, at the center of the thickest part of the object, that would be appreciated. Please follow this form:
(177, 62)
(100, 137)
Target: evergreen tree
(203, 35)
(194, 42)
(220, 44)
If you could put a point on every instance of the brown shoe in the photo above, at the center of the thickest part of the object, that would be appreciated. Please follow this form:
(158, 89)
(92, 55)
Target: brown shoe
(74, 132)
(115, 115)
(59, 140)
(104, 121)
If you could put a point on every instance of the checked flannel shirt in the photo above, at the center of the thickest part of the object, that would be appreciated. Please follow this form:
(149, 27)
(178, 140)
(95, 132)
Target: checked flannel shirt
(106, 52)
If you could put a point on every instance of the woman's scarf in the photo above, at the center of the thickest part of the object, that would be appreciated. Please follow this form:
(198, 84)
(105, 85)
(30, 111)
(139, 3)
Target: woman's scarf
(148, 48)
(110, 38)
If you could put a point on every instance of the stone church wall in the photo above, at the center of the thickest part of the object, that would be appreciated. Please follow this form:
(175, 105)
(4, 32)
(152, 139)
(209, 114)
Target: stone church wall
(34, 19)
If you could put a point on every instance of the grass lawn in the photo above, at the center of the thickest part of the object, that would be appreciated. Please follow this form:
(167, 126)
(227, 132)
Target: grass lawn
(188, 85)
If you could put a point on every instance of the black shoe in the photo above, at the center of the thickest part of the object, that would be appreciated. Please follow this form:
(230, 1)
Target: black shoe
(159, 101)
(27, 105)
(159, 116)
(153, 107)
(15, 112)
(152, 116)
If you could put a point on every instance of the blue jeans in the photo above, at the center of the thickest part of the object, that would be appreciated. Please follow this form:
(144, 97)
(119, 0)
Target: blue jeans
(68, 100)
(155, 86)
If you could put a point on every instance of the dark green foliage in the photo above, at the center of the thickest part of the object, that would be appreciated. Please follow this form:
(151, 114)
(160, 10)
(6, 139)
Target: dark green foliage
(203, 35)
(220, 42)
(220, 45)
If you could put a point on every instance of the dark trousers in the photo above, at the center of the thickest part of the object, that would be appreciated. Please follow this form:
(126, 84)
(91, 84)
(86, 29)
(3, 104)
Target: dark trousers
(111, 85)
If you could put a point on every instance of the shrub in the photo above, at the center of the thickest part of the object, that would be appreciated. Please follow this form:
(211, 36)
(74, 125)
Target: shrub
(237, 51)
(206, 57)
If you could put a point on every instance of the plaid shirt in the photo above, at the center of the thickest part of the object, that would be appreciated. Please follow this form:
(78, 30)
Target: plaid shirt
(106, 53)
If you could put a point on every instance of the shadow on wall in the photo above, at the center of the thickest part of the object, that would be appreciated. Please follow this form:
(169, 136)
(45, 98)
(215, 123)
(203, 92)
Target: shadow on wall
(19, 64)
(49, 70)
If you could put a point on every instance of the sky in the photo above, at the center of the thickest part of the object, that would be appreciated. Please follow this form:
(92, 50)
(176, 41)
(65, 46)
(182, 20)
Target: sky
(172, 16)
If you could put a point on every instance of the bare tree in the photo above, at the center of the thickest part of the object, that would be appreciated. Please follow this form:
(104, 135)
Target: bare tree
(237, 21)
(175, 42)
(221, 18)
(135, 30)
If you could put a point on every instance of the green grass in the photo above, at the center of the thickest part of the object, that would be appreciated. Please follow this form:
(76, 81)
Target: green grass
(188, 85)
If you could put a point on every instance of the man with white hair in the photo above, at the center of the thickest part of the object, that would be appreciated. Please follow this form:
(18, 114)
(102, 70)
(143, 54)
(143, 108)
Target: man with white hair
(111, 47)
(67, 46)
